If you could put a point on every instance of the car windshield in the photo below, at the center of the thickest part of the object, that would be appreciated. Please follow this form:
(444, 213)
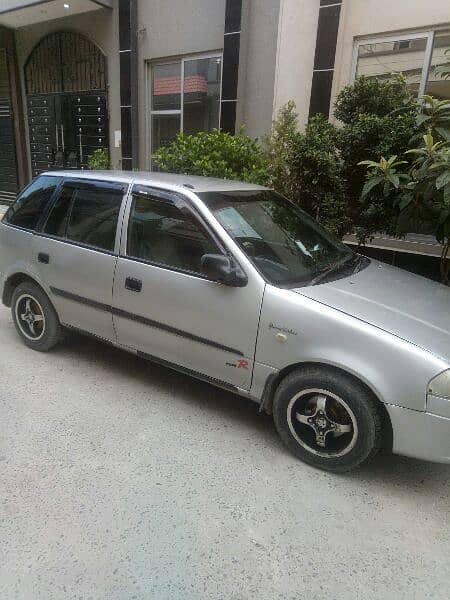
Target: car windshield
(284, 243)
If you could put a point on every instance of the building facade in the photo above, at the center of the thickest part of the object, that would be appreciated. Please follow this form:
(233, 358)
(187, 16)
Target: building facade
(127, 75)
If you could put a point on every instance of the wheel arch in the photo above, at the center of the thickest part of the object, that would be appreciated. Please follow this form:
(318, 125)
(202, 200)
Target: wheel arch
(13, 281)
(275, 380)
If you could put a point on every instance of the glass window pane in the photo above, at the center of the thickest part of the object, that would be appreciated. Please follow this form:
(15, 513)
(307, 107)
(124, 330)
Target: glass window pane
(57, 220)
(93, 218)
(166, 87)
(385, 59)
(159, 232)
(164, 130)
(438, 84)
(201, 97)
(28, 208)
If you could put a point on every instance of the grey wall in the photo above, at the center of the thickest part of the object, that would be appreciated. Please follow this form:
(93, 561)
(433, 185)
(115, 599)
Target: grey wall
(99, 26)
(259, 40)
(169, 29)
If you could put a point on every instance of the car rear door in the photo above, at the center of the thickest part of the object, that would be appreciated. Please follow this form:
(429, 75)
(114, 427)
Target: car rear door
(165, 308)
(76, 252)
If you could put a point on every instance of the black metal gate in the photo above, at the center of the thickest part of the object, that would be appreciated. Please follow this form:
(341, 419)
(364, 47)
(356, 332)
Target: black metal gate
(67, 103)
(8, 165)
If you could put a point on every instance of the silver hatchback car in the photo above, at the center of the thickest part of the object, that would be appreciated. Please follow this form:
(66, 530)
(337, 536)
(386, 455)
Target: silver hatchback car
(231, 283)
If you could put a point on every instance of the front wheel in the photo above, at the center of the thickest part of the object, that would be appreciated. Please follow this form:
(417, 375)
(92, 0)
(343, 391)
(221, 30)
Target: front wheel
(327, 419)
(35, 318)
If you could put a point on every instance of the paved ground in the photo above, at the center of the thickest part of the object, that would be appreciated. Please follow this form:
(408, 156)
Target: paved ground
(121, 480)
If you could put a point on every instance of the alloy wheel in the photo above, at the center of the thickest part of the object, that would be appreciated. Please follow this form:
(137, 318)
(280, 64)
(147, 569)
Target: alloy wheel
(322, 423)
(30, 317)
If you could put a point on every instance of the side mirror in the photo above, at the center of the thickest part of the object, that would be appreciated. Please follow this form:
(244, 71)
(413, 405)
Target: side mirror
(219, 268)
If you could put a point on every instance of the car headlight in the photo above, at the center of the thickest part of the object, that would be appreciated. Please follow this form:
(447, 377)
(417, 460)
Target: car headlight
(440, 385)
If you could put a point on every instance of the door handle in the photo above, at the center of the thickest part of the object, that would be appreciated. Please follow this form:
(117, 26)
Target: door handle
(43, 258)
(132, 284)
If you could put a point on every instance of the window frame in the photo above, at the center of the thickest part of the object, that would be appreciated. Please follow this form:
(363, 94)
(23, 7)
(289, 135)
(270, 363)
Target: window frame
(427, 34)
(181, 60)
(179, 200)
(85, 183)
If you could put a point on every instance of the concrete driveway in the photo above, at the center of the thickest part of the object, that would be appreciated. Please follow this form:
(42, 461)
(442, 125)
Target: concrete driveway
(123, 480)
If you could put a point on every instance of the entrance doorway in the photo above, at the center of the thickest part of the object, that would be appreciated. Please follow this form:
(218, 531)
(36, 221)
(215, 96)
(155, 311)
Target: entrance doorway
(65, 78)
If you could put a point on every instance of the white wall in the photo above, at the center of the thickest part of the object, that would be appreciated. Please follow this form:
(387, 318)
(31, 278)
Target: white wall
(295, 54)
(257, 65)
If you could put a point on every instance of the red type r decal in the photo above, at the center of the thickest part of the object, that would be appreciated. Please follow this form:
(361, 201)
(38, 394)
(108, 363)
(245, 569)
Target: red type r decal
(241, 364)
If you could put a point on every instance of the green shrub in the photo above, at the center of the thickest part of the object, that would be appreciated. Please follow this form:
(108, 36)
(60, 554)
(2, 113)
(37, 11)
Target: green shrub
(316, 174)
(372, 96)
(416, 188)
(278, 147)
(214, 154)
(378, 119)
(305, 167)
(99, 160)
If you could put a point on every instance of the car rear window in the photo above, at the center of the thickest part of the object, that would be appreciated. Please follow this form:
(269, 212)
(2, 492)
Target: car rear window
(30, 205)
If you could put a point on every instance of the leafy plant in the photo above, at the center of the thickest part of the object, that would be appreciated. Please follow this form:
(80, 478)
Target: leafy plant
(421, 191)
(434, 117)
(99, 160)
(214, 154)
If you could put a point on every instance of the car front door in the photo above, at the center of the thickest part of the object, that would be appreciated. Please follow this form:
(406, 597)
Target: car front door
(165, 308)
(76, 251)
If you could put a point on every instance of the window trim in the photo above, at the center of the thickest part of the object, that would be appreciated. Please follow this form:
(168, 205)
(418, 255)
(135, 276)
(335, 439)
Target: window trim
(178, 198)
(149, 87)
(427, 34)
(77, 184)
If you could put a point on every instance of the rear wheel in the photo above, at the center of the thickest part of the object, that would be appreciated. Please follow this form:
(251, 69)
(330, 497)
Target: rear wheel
(327, 419)
(34, 317)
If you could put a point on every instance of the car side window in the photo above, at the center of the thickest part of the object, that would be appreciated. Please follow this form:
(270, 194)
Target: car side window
(161, 232)
(30, 205)
(87, 215)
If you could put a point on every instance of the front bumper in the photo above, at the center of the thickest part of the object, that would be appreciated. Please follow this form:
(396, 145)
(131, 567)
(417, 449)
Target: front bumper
(420, 434)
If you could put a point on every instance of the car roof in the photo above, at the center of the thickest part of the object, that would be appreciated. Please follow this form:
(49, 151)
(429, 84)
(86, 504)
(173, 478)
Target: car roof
(168, 180)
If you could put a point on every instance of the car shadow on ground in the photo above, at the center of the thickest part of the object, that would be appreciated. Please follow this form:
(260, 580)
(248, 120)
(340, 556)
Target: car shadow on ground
(399, 470)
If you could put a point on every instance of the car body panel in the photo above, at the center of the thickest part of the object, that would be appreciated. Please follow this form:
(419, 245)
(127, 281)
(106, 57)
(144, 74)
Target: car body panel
(420, 435)
(396, 370)
(179, 308)
(16, 256)
(406, 305)
(80, 282)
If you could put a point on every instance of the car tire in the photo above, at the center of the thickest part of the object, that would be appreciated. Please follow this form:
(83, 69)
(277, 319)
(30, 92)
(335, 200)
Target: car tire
(35, 318)
(328, 419)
